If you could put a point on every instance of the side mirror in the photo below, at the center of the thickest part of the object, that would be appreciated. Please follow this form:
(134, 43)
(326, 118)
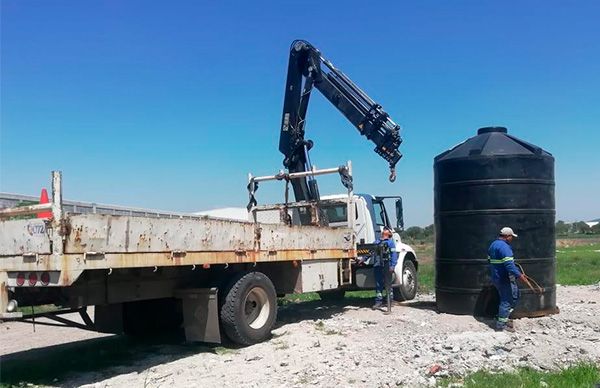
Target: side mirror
(399, 214)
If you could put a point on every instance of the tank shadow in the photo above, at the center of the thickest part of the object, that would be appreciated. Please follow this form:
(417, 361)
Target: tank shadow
(421, 305)
(487, 303)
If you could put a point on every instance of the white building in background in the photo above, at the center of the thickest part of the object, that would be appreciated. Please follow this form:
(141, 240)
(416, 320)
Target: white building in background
(592, 223)
(230, 213)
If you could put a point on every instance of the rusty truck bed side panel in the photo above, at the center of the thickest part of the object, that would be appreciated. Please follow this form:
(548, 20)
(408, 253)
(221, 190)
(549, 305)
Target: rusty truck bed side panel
(125, 234)
(19, 237)
(97, 241)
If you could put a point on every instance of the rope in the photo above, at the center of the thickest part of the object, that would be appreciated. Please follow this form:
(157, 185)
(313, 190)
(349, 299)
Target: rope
(528, 280)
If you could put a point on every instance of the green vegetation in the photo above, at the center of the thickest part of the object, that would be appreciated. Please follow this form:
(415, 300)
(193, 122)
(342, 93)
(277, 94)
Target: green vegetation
(426, 271)
(426, 276)
(298, 298)
(582, 375)
(222, 350)
(576, 229)
(578, 265)
(45, 308)
(415, 235)
(24, 217)
(312, 296)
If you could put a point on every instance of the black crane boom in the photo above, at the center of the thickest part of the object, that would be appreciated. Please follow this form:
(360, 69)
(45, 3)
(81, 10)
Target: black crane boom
(307, 69)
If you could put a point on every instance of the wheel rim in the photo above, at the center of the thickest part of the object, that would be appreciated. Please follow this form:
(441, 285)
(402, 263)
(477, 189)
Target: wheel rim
(256, 308)
(408, 280)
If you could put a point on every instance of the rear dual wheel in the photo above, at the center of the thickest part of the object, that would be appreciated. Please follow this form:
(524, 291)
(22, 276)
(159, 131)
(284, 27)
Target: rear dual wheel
(249, 308)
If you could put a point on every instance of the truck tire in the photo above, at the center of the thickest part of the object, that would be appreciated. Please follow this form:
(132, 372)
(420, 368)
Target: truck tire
(408, 289)
(249, 308)
(332, 295)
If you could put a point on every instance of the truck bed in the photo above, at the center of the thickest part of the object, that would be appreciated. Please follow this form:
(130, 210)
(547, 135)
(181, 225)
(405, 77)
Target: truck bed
(100, 241)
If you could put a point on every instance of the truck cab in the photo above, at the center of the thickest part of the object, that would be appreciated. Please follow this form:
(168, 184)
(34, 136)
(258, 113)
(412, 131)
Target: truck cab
(371, 217)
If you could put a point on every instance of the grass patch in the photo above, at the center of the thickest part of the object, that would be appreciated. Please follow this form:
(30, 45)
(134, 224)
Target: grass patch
(578, 265)
(426, 276)
(313, 296)
(424, 251)
(45, 308)
(582, 375)
(365, 294)
(298, 298)
(426, 271)
(223, 351)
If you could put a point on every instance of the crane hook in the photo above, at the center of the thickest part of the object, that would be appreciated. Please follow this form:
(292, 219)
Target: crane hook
(392, 173)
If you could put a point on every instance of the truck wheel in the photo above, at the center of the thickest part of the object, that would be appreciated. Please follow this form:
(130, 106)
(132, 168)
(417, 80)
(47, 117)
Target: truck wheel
(332, 295)
(249, 309)
(408, 288)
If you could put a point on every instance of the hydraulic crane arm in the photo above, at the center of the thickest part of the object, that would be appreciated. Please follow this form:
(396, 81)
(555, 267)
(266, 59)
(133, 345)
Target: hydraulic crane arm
(307, 69)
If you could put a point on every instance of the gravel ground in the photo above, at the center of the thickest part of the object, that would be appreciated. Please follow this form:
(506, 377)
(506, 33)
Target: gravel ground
(19, 337)
(336, 345)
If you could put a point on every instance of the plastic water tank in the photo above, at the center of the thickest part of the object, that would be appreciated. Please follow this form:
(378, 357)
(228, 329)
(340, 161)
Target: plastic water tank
(489, 181)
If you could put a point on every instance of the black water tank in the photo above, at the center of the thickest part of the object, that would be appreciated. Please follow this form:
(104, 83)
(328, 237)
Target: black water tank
(489, 181)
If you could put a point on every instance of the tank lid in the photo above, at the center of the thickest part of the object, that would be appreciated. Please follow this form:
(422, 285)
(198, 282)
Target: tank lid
(491, 142)
(492, 129)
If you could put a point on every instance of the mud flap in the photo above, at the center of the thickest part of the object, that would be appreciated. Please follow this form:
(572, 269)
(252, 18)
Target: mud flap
(200, 314)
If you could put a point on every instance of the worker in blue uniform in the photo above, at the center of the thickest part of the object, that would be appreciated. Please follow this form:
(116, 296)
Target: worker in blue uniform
(379, 264)
(504, 273)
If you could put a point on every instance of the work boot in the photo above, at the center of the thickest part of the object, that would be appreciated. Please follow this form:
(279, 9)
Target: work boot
(505, 328)
(378, 304)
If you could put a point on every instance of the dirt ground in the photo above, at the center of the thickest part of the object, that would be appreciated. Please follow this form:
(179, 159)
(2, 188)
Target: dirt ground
(323, 344)
(18, 337)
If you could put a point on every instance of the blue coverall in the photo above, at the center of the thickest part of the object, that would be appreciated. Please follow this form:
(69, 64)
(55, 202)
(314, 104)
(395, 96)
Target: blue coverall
(379, 269)
(504, 273)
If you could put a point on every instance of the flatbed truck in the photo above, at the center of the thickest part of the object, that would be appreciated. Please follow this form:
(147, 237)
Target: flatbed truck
(145, 271)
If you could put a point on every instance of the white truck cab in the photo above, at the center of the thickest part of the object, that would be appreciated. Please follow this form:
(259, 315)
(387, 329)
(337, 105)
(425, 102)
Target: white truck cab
(371, 218)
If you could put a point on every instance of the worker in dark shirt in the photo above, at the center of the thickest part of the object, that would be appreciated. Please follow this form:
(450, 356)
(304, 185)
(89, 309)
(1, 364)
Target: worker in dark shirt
(504, 273)
(378, 266)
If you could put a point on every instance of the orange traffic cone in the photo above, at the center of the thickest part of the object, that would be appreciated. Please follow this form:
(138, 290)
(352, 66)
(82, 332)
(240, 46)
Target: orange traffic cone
(44, 199)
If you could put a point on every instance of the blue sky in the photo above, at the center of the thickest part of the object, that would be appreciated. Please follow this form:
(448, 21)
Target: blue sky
(169, 105)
